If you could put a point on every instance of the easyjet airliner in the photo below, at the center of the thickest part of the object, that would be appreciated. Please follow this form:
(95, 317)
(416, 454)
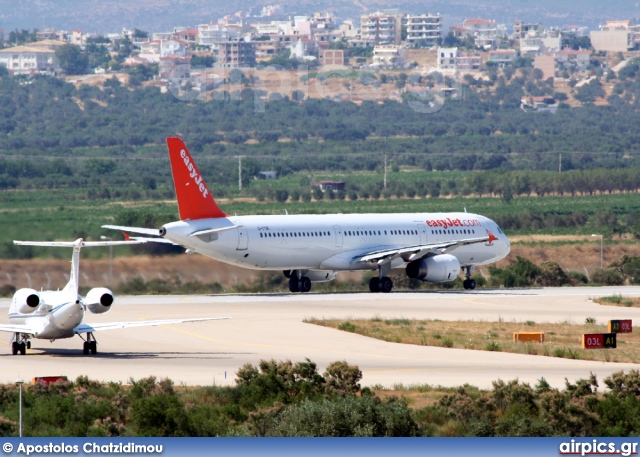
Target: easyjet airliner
(432, 247)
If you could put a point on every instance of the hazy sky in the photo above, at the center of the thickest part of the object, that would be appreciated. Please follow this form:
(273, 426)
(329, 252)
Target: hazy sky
(161, 15)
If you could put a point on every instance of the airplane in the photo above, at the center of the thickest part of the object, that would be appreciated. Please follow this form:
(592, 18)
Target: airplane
(53, 315)
(432, 247)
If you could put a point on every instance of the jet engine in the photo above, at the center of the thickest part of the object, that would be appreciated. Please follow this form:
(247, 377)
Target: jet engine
(26, 301)
(99, 300)
(439, 268)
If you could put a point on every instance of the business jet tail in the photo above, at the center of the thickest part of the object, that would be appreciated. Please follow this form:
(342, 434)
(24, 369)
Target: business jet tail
(71, 289)
(194, 198)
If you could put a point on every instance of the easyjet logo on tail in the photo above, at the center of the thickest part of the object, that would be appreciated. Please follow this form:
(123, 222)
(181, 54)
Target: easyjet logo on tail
(193, 174)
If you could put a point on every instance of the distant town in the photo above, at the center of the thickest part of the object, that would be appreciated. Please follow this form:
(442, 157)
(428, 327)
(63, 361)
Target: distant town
(383, 40)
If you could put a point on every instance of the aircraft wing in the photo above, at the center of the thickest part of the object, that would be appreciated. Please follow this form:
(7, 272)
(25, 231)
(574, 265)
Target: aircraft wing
(16, 328)
(85, 328)
(411, 253)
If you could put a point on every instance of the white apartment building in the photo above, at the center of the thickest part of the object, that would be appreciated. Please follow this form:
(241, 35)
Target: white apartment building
(616, 36)
(32, 58)
(424, 30)
(388, 55)
(382, 27)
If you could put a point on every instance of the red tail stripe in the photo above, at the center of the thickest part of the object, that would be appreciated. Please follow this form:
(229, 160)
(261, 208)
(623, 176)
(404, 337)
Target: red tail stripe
(194, 198)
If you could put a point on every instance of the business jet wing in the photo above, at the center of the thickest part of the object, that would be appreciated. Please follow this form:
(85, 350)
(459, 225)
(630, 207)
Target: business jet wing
(16, 328)
(411, 253)
(86, 328)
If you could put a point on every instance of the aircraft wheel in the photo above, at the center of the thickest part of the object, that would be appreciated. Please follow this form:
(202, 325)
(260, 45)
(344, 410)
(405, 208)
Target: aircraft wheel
(85, 348)
(293, 285)
(386, 284)
(304, 285)
(14, 348)
(472, 284)
(465, 283)
(28, 344)
(22, 348)
(93, 347)
(374, 285)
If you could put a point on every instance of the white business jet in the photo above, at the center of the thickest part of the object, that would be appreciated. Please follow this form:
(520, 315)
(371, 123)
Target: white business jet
(53, 315)
(432, 247)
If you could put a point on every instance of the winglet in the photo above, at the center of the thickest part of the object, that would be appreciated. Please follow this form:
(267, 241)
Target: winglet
(126, 236)
(492, 237)
(194, 198)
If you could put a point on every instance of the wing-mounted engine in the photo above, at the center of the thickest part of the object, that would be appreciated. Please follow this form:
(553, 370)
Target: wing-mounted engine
(26, 301)
(439, 268)
(99, 300)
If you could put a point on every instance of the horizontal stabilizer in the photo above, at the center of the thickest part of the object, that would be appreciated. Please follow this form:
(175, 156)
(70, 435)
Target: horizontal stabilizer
(143, 230)
(72, 244)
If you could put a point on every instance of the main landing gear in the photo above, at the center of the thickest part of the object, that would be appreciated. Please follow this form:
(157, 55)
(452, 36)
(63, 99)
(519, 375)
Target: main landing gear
(297, 281)
(20, 344)
(468, 283)
(382, 283)
(91, 345)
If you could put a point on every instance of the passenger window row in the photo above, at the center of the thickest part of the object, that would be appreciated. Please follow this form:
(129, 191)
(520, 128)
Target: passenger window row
(453, 232)
(293, 234)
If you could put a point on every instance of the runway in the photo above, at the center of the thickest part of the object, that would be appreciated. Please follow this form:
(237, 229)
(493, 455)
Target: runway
(271, 327)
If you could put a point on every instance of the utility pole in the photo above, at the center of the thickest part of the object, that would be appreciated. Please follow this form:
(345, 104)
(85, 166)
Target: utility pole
(560, 163)
(385, 172)
(239, 172)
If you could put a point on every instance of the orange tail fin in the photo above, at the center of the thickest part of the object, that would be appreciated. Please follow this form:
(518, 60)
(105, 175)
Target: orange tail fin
(194, 199)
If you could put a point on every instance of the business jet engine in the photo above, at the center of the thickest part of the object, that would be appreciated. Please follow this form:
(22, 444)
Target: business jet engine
(439, 268)
(26, 300)
(99, 300)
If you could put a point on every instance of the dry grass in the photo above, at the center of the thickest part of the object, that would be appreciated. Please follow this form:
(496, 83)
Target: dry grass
(561, 339)
(618, 300)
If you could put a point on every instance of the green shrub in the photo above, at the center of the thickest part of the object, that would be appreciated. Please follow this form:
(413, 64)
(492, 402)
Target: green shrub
(607, 277)
(347, 326)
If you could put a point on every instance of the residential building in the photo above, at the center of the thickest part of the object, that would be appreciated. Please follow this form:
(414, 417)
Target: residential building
(31, 59)
(424, 30)
(153, 51)
(269, 48)
(539, 104)
(208, 34)
(451, 60)
(303, 48)
(389, 56)
(174, 67)
(502, 57)
(332, 57)
(616, 36)
(35, 57)
(487, 34)
(521, 29)
(382, 27)
(51, 34)
(554, 63)
(234, 54)
(447, 59)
